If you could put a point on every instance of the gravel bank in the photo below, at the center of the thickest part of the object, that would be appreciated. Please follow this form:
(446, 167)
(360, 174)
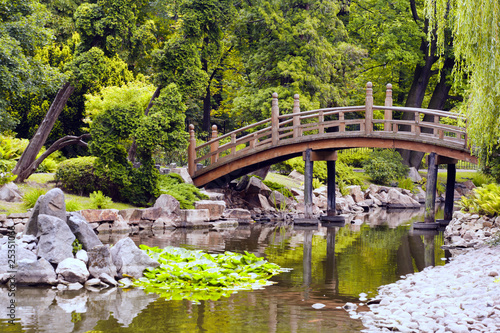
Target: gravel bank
(461, 296)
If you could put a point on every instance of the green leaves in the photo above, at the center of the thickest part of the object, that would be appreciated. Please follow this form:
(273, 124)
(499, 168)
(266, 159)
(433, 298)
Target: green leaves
(195, 275)
(484, 200)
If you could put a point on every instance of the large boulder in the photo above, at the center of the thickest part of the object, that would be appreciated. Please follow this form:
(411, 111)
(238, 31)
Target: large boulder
(295, 175)
(100, 261)
(51, 204)
(414, 175)
(215, 208)
(256, 186)
(35, 272)
(398, 200)
(21, 254)
(277, 199)
(10, 193)
(83, 231)
(356, 193)
(129, 259)
(168, 204)
(56, 239)
(73, 270)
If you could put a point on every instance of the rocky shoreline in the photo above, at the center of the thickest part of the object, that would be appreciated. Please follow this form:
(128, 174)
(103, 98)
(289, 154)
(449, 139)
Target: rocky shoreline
(462, 296)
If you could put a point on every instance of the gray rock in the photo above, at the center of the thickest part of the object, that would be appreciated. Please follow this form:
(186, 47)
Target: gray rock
(35, 272)
(183, 172)
(73, 270)
(195, 215)
(129, 259)
(356, 193)
(277, 200)
(83, 256)
(295, 175)
(53, 204)
(83, 231)
(108, 279)
(56, 238)
(100, 261)
(168, 204)
(21, 254)
(414, 175)
(10, 193)
(256, 186)
(396, 199)
(100, 215)
(95, 282)
(31, 227)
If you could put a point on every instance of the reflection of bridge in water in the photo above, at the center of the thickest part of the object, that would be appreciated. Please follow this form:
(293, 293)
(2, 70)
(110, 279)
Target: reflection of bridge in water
(317, 134)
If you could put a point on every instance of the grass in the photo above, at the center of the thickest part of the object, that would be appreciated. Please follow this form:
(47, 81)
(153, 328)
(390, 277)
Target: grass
(45, 181)
(284, 180)
(462, 176)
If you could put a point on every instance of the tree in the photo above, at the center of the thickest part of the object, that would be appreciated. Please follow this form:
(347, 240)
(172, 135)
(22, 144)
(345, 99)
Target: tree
(395, 35)
(22, 33)
(475, 27)
(118, 124)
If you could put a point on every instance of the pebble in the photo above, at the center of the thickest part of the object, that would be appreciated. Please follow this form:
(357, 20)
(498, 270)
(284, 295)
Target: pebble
(461, 296)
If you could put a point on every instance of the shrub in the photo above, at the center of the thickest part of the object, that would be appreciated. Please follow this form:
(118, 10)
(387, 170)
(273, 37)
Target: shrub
(99, 201)
(77, 246)
(484, 200)
(480, 179)
(6, 177)
(76, 175)
(384, 166)
(317, 183)
(354, 158)
(30, 197)
(186, 194)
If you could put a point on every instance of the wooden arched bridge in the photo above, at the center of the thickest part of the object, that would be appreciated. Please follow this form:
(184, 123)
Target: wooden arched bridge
(281, 137)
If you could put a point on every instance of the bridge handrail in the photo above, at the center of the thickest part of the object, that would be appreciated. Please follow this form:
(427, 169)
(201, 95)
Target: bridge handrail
(286, 125)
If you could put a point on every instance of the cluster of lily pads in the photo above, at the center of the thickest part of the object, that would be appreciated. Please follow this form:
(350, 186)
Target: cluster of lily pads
(196, 275)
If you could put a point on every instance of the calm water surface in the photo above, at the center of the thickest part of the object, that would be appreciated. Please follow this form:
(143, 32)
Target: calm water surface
(331, 266)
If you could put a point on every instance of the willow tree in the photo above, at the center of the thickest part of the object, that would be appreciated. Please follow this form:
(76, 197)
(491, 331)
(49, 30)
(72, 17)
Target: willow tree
(475, 26)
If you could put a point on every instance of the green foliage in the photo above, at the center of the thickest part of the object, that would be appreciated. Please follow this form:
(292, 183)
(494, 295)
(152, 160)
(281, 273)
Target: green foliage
(406, 183)
(11, 150)
(113, 130)
(186, 194)
(342, 171)
(477, 54)
(483, 200)
(99, 201)
(480, 179)
(30, 197)
(274, 186)
(354, 158)
(316, 183)
(77, 175)
(6, 177)
(344, 190)
(48, 165)
(194, 275)
(73, 205)
(77, 246)
(384, 166)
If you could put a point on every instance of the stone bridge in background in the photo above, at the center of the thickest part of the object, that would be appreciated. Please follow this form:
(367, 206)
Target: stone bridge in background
(321, 132)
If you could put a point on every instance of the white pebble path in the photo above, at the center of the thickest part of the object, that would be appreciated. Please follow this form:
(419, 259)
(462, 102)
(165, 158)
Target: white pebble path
(461, 296)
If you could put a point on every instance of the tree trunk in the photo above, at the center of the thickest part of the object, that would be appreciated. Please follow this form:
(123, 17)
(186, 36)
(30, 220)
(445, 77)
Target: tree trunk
(58, 145)
(41, 135)
(132, 152)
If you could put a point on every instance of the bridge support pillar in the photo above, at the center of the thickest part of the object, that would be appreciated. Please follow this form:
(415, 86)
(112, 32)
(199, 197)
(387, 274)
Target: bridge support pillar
(308, 188)
(430, 198)
(450, 187)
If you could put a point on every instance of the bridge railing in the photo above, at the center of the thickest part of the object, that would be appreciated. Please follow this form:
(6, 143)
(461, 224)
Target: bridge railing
(332, 122)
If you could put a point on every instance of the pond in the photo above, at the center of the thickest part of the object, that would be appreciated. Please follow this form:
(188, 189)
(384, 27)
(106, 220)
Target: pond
(330, 266)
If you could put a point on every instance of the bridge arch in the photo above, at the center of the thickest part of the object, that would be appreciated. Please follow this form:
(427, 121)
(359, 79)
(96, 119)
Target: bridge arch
(285, 136)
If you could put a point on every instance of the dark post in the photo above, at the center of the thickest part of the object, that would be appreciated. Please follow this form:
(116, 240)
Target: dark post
(450, 191)
(308, 188)
(330, 194)
(430, 197)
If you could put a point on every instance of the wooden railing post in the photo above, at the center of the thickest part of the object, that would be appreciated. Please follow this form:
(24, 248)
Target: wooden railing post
(275, 112)
(214, 145)
(233, 142)
(369, 108)
(321, 119)
(388, 113)
(417, 123)
(296, 117)
(191, 151)
(436, 121)
(341, 122)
